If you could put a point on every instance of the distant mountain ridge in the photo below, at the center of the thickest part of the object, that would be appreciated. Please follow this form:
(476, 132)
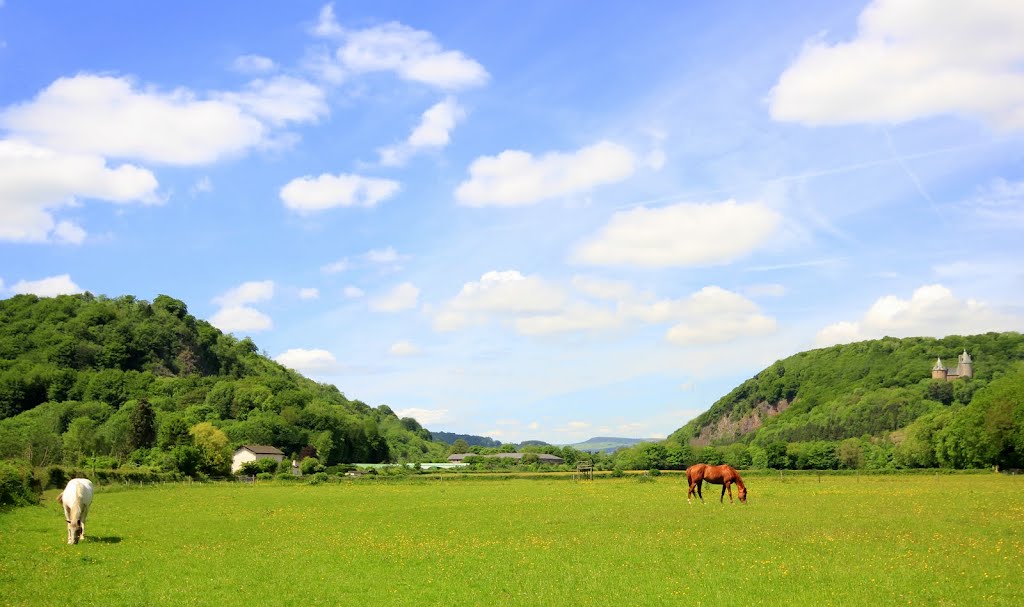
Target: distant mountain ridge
(609, 444)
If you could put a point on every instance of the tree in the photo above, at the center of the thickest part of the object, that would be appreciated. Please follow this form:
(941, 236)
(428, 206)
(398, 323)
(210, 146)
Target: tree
(79, 440)
(850, 454)
(940, 390)
(324, 444)
(141, 426)
(185, 459)
(459, 446)
(213, 448)
(173, 432)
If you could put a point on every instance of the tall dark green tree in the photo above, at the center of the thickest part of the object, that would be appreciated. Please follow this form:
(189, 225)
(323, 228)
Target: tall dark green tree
(141, 426)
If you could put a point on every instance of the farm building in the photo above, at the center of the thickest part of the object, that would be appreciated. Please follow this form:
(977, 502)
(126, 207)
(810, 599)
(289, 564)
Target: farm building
(542, 458)
(251, 453)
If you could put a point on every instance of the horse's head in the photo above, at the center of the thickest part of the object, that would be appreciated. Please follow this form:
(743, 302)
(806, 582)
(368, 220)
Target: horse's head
(743, 494)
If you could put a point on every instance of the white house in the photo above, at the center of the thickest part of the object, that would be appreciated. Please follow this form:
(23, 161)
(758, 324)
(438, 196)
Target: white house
(251, 453)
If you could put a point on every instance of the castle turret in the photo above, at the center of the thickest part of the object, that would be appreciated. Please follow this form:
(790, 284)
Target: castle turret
(965, 366)
(939, 371)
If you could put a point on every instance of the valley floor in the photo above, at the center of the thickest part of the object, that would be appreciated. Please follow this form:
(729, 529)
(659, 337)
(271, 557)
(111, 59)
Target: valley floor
(884, 540)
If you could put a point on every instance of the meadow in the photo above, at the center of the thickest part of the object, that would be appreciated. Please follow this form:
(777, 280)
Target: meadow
(801, 540)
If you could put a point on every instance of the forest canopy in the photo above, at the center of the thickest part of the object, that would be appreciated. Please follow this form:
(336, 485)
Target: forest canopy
(874, 404)
(123, 380)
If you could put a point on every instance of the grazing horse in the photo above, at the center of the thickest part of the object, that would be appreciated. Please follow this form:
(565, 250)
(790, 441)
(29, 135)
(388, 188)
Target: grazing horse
(76, 499)
(724, 475)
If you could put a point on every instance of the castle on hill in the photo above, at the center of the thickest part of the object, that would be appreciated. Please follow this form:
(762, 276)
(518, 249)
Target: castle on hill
(964, 368)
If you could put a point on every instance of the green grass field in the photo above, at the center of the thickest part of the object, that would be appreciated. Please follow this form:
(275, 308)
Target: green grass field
(882, 540)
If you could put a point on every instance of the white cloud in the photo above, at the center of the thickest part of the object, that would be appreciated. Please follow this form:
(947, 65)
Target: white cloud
(424, 416)
(336, 267)
(432, 132)
(327, 25)
(515, 177)
(254, 64)
(235, 315)
(909, 60)
(233, 319)
(507, 292)
(681, 235)
(536, 307)
(711, 315)
(308, 194)
(35, 181)
(932, 310)
(353, 292)
(47, 287)
(309, 293)
(401, 297)
(411, 54)
(248, 292)
(404, 348)
(281, 100)
(575, 317)
(108, 116)
(721, 329)
(308, 361)
(202, 186)
(384, 256)
(69, 233)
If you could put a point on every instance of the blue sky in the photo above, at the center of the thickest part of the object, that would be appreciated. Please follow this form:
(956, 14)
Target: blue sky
(529, 220)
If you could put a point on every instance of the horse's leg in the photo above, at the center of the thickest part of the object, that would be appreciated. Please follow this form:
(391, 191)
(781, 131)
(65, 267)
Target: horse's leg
(85, 511)
(67, 517)
(689, 494)
(729, 487)
(721, 500)
(700, 493)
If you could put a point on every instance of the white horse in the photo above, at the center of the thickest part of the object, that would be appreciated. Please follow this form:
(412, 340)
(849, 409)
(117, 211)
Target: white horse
(76, 499)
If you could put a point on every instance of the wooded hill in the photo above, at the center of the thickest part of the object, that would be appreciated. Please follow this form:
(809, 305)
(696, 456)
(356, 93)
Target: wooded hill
(449, 438)
(835, 406)
(85, 376)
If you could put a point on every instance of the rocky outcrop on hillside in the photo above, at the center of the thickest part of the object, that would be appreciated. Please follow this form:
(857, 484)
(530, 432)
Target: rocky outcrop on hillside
(729, 428)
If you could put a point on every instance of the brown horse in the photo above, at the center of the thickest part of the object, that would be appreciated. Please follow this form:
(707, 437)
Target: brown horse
(724, 475)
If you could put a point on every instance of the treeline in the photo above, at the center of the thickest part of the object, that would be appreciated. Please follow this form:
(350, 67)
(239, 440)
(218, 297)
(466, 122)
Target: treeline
(111, 382)
(873, 405)
(449, 438)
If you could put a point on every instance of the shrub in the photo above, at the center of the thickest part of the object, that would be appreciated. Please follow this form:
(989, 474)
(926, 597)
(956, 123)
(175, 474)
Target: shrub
(263, 465)
(17, 486)
(311, 465)
(316, 479)
(618, 472)
(265, 476)
(654, 472)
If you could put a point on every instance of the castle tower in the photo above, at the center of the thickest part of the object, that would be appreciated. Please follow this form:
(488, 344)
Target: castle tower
(939, 371)
(965, 366)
